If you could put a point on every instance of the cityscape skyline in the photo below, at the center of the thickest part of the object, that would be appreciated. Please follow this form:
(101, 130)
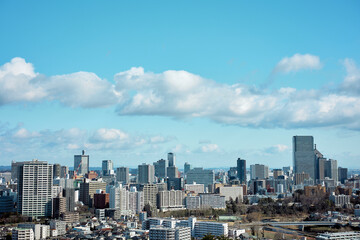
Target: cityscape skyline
(179, 120)
(123, 84)
(99, 163)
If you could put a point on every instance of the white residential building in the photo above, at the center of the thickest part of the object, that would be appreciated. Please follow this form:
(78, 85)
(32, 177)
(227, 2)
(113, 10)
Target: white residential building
(22, 234)
(35, 179)
(194, 187)
(233, 192)
(40, 231)
(170, 199)
(136, 201)
(214, 228)
(119, 198)
(60, 226)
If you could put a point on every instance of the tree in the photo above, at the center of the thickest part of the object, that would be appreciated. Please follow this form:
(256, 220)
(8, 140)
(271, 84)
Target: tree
(253, 217)
(208, 237)
(278, 236)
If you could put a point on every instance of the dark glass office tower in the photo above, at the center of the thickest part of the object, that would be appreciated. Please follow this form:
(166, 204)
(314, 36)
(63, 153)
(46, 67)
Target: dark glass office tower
(241, 170)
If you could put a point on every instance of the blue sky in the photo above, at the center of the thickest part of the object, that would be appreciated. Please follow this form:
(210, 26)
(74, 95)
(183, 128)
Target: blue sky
(211, 81)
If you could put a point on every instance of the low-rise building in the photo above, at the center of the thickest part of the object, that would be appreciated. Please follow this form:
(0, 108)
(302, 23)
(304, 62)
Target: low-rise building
(340, 200)
(194, 188)
(214, 228)
(22, 234)
(164, 233)
(60, 226)
(212, 200)
(338, 235)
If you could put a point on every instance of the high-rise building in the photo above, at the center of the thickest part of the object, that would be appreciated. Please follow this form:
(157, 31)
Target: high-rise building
(233, 173)
(287, 170)
(161, 168)
(172, 172)
(56, 170)
(187, 167)
(175, 183)
(304, 158)
(342, 174)
(59, 206)
(69, 194)
(122, 175)
(327, 169)
(81, 163)
(150, 191)
(35, 181)
(119, 198)
(277, 173)
(136, 200)
(301, 177)
(241, 170)
(88, 189)
(101, 200)
(146, 173)
(170, 199)
(201, 176)
(64, 171)
(259, 171)
(171, 159)
(331, 169)
(14, 170)
(107, 167)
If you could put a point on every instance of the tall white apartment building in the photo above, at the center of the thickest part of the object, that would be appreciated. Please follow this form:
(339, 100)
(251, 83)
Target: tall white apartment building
(150, 192)
(35, 179)
(119, 198)
(136, 201)
(171, 199)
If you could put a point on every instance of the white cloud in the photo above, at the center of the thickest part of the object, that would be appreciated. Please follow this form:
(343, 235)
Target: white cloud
(180, 148)
(107, 135)
(298, 62)
(82, 89)
(181, 94)
(238, 104)
(18, 82)
(23, 133)
(75, 139)
(281, 147)
(351, 82)
(72, 146)
(211, 147)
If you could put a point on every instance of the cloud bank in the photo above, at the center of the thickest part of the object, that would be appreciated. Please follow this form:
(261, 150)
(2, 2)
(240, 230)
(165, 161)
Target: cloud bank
(298, 62)
(181, 94)
(75, 139)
